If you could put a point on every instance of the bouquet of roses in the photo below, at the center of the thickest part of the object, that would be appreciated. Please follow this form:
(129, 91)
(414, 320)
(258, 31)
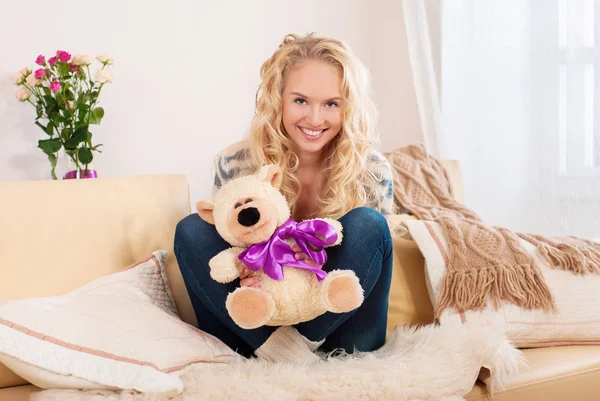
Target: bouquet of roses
(65, 97)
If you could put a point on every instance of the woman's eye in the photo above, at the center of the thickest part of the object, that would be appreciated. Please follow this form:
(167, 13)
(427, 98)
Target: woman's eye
(237, 205)
(332, 104)
(300, 101)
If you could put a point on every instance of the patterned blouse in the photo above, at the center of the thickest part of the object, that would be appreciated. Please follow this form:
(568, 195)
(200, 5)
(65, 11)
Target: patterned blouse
(233, 162)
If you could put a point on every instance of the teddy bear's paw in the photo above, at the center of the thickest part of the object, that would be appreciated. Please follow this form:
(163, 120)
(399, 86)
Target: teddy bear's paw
(250, 307)
(224, 266)
(341, 291)
(338, 228)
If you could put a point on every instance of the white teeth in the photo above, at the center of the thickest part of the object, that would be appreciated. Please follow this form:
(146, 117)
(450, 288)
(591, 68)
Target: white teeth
(311, 133)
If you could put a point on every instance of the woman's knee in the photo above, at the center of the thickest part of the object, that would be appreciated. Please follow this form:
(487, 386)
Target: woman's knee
(191, 229)
(366, 224)
(195, 243)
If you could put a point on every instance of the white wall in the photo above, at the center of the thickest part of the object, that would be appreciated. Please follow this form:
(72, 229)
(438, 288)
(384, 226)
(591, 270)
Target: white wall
(185, 74)
(399, 121)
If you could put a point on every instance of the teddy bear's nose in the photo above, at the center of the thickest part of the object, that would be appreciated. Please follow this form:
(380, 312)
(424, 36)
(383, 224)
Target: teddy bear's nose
(249, 217)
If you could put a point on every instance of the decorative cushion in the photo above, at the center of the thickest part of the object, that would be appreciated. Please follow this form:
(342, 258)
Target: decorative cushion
(120, 331)
(577, 298)
(408, 301)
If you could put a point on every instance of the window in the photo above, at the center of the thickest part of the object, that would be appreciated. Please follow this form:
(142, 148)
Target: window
(579, 87)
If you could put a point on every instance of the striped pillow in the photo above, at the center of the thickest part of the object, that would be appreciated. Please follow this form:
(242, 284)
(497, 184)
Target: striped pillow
(121, 331)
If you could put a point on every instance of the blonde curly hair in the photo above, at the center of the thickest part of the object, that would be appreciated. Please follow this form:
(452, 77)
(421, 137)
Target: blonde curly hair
(346, 170)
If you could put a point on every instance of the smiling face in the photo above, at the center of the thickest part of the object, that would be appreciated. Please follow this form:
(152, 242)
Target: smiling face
(312, 106)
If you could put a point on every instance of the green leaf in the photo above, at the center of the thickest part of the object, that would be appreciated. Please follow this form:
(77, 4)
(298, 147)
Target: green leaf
(60, 101)
(66, 133)
(50, 101)
(63, 69)
(52, 158)
(69, 94)
(78, 136)
(96, 115)
(50, 128)
(47, 91)
(41, 126)
(50, 146)
(85, 155)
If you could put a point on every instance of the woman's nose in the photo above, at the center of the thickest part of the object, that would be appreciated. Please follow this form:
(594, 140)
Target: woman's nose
(315, 118)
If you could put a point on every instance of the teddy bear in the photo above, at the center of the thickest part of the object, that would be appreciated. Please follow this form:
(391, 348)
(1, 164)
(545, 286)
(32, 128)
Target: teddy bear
(253, 216)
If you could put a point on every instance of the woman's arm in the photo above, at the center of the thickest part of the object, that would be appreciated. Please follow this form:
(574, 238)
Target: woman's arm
(384, 191)
(387, 190)
(230, 163)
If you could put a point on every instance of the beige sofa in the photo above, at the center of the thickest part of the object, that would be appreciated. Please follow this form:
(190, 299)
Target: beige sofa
(58, 235)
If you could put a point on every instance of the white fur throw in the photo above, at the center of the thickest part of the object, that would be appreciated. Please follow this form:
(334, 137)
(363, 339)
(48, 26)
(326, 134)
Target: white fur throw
(429, 363)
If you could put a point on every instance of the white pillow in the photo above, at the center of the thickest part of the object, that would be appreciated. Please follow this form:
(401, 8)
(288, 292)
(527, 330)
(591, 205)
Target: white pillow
(576, 297)
(120, 331)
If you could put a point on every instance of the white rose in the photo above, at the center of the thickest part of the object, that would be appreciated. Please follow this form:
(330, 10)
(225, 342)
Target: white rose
(82, 59)
(32, 80)
(106, 58)
(23, 94)
(18, 77)
(103, 76)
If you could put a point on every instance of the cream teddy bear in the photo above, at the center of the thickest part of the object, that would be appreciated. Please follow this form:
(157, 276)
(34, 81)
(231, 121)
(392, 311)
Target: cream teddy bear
(252, 215)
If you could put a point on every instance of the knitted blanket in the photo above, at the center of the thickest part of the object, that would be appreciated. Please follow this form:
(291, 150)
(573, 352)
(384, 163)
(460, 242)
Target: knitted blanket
(486, 263)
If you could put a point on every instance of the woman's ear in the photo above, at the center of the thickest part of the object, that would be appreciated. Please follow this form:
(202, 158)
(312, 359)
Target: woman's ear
(272, 173)
(205, 210)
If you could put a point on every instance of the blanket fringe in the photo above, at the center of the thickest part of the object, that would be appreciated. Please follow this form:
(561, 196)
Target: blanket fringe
(473, 289)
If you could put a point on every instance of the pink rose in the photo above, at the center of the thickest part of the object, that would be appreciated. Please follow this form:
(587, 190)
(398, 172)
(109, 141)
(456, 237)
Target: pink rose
(63, 56)
(52, 60)
(74, 68)
(40, 60)
(55, 86)
(39, 73)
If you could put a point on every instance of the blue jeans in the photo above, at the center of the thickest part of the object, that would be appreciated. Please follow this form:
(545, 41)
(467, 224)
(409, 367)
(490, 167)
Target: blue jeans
(366, 249)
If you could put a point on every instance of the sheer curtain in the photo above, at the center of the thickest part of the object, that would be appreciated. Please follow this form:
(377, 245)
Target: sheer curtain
(520, 98)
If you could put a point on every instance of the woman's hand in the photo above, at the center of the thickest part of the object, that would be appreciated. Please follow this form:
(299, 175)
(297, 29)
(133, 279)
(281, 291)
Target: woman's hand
(246, 281)
(300, 255)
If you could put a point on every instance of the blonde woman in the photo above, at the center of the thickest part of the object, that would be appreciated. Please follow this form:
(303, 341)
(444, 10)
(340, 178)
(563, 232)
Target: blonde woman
(315, 119)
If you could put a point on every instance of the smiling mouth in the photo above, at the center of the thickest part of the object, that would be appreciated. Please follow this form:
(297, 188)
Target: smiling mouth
(311, 133)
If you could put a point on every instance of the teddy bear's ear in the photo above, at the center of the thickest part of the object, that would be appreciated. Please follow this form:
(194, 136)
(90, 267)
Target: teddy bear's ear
(272, 173)
(205, 210)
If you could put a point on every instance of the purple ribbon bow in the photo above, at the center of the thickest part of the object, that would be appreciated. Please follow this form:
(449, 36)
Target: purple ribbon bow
(273, 253)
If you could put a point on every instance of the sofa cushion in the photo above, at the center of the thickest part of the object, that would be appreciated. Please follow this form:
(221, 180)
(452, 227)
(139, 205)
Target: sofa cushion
(408, 301)
(120, 331)
(8, 378)
(59, 235)
(553, 374)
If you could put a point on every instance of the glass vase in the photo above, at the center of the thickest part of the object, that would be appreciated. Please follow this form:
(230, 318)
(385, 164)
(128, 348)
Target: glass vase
(77, 172)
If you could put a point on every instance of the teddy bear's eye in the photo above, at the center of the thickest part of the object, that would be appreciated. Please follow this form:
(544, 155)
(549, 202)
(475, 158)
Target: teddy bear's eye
(248, 200)
(237, 205)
